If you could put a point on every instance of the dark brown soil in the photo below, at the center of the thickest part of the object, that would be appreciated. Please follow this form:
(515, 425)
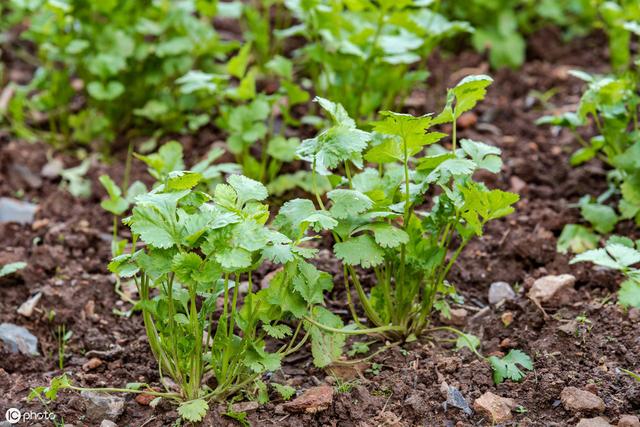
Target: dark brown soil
(67, 250)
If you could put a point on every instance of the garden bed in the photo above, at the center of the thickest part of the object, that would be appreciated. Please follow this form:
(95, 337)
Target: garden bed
(67, 250)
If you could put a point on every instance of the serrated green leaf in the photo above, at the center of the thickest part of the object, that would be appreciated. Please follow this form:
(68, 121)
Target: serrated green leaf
(194, 410)
(277, 331)
(577, 239)
(11, 268)
(348, 203)
(247, 189)
(360, 250)
(326, 347)
(507, 367)
(286, 392)
(629, 293)
(386, 235)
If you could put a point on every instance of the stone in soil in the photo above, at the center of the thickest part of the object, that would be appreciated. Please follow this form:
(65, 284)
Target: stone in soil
(102, 406)
(499, 291)
(245, 406)
(18, 339)
(455, 398)
(92, 364)
(12, 210)
(594, 422)
(27, 307)
(107, 423)
(458, 317)
(496, 408)
(629, 421)
(551, 288)
(313, 400)
(577, 400)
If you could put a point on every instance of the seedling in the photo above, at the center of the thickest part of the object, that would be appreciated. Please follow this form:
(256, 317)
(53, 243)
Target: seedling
(62, 337)
(199, 248)
(620, 253)
(286, 392)
(382, 222)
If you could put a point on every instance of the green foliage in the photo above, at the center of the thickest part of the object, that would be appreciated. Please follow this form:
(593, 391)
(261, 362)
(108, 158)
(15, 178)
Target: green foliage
(11, 268)
(380, 220)
(122, 58)
(198, 249)
(620, 253)
(286, 392)
(502, 25)
(611, 103)
(507, 367)
(363, 52)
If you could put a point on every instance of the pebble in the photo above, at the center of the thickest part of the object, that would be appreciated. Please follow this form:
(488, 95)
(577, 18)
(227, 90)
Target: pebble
(455, 398)
(313, 400)
(245, 406)
(634, 314)
(27, 307)
(18, 339)
(144, 399)
(547, 288)
(594, 422)
(13, 210)
(25, 174)
(458, 317)
(499, 291)
(516, 184)
(629, 421)
(577, 400)
(497, 408)
(52, 169)
(107, 423)
(467, 119)
(92, 364)
(102, 406)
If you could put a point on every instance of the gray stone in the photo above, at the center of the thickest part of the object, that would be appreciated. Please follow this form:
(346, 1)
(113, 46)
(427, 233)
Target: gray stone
(108, 423)
(25, 174)
(52, 169)
(12, 210)
(18, 339)
(499, 291)
(457, 400)
(549, 288)
(102, 406)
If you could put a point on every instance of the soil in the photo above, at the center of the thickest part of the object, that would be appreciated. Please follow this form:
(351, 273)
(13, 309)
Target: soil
(67, 249)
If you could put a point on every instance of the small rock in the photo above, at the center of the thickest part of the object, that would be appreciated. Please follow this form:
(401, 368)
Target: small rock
(12, 210)
(144, 399)
(92, 364)
(313, 400)
(102, 406)
(18, 339)
(458, 317)
(517, 184)
(27, 307)
(634, 314)
(577, 400)
(499, 291)
(507, 318)
(629, 421)
(455, 399)
(52, 169)
(245, 406)
(548, 288)
(569, 327)
(107, 423)
(497, 408)
(467, 119)
(594, 422)
(25, 175)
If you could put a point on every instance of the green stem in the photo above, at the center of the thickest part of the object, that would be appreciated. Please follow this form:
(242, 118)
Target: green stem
(377, 330)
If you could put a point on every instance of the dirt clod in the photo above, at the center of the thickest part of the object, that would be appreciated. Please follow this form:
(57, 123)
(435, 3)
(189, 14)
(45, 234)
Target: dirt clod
(577, 400)
(629, 421)
(313, 400)
(496, 408)
(594, 422)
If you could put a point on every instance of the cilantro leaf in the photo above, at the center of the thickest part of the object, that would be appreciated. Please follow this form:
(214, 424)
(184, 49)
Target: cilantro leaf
(360, 250)
(507, 367)
(194, 410)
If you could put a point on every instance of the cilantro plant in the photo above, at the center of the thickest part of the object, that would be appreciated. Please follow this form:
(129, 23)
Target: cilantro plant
(620, 253)
(500, 26)
(110, 66)
(408, 218)
(362, 52)
(195, 276)
(611, 104)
